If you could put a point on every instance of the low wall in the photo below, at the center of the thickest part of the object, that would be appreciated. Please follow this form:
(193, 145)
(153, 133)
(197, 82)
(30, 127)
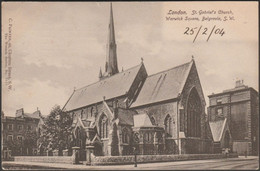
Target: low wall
(116, 160)
(241, 147)
(45, 159)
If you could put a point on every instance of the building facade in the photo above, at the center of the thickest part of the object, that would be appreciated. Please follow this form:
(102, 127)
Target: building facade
(20, 133)
(162, 113)
(240, 106)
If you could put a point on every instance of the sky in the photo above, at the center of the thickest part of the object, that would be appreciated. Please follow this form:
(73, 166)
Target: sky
(59, 46)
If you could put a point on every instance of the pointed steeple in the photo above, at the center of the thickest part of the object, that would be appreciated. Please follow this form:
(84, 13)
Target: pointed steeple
(111, 67)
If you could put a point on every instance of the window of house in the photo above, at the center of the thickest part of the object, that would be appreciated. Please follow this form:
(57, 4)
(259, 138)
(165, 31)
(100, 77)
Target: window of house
(9, 137)
(168, 126)
(10, 127)
(103, 126)
(20, 127)
(29, 127)
(220, 111)
(219, 101)
(20, 138)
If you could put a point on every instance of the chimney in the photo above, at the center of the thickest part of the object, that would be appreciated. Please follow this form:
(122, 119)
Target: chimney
(19, 112)
(239, 83)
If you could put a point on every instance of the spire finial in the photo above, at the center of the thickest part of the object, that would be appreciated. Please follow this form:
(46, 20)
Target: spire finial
(100, 73)
(142, 60)
(192, 57)
(122, 69)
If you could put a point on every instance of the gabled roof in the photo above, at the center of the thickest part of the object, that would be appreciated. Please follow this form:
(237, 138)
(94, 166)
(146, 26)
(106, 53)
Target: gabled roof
(217, 129)
(163, 86)
(111, 87)
(142, 120)
(125, 116)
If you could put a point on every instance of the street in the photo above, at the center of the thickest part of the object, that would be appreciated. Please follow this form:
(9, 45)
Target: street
(217, 164)
(241, 163)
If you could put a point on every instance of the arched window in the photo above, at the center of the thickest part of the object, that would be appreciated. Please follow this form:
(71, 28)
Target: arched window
(103, 126)
(153, 121)
(82, 114)
(194, 109)
(91, 111)
(125, 136)
(168, 126)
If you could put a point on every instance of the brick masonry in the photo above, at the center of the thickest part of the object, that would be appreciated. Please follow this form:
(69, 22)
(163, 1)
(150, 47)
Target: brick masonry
(240, 107)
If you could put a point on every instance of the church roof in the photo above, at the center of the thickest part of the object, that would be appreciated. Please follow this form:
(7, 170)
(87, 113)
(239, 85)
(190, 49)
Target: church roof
(217, 129)
(110, 87)
(126, 116)
(142, 120)
(164, 85)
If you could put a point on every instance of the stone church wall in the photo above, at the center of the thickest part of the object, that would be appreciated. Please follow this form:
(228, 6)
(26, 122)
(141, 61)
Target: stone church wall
(193, 81)
(160, 111)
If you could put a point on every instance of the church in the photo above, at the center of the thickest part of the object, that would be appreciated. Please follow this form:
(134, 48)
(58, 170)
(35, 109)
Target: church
(163, 113)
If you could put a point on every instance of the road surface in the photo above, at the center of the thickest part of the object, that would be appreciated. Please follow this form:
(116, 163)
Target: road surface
(241, 163)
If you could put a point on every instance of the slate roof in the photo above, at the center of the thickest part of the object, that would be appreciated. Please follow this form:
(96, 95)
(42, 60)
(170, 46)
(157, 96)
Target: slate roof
(217, 129)
(163, 86)
(35, 115)
(111, 87)
(142, 120)
(126, 117)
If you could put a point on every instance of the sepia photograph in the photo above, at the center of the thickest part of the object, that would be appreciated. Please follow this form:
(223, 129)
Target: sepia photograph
(130, 85)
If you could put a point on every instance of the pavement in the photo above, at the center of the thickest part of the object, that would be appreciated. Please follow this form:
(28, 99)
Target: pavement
(249, 163)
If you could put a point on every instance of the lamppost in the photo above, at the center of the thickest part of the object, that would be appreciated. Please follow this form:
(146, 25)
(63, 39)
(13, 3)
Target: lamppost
(135, 153)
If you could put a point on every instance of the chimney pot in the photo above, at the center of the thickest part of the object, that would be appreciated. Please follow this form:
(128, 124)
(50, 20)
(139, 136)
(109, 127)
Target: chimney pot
(238, 83)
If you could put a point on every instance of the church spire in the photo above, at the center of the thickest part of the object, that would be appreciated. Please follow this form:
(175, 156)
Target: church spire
(111, 67)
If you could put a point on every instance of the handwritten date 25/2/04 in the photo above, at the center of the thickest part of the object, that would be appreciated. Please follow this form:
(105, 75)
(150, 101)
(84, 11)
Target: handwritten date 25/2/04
(205, 31)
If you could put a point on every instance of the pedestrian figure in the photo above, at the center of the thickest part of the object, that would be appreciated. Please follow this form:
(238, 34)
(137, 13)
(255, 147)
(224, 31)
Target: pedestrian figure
(246, 154)
(226, 152)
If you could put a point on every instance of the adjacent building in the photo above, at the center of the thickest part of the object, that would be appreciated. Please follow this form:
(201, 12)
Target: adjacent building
(20, 133)
(240, 106)
(163, 113)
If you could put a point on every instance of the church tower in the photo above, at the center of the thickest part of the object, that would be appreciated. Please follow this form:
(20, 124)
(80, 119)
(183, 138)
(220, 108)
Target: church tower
(111, 67)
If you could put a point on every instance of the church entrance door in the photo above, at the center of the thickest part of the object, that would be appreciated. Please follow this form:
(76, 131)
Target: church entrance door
(80, 142)
(98, 149)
